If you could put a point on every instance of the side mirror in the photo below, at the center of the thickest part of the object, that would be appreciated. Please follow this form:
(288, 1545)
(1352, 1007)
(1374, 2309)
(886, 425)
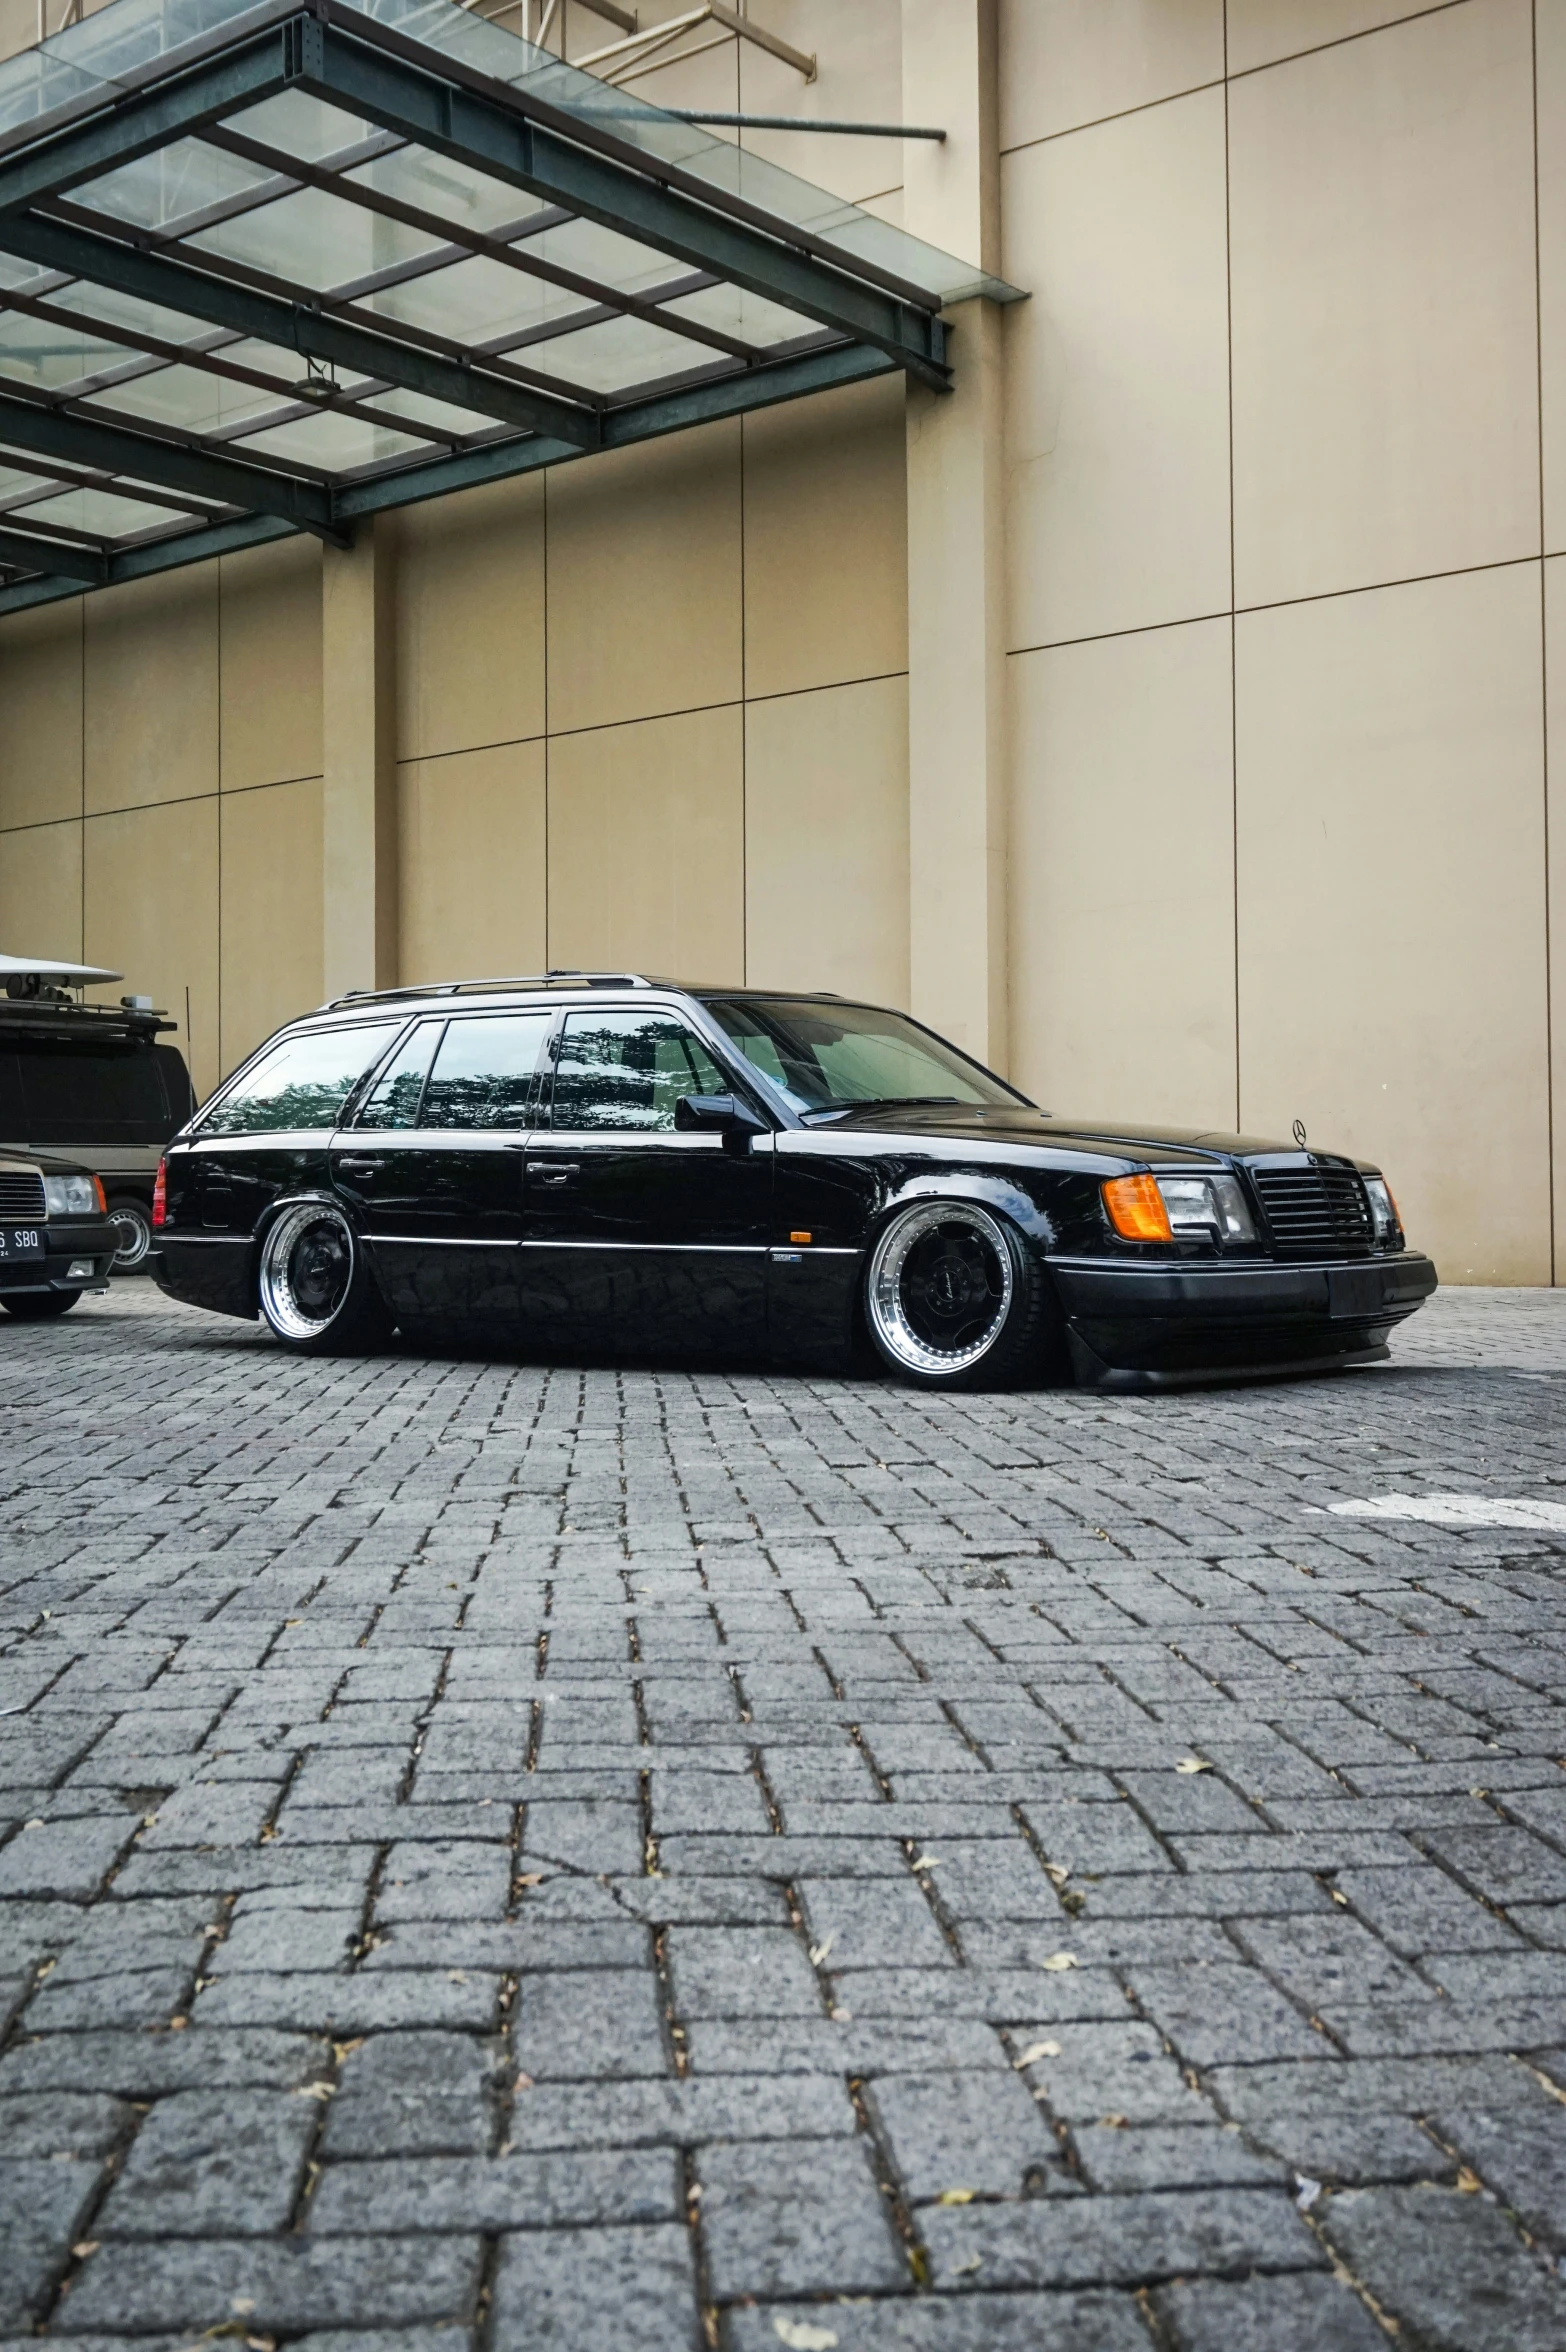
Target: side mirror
(719, 1114)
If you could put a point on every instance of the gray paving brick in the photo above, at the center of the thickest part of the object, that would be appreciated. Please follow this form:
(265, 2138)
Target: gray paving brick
(41, 2206)
(212, 2164)
(1452, 2265)
(978, 2131)
(953, 2323)
(1116, 2241)
(741, 1972)
(567, 2289)
(1299, 2312)
(589, 2024)
(781, 2219)
(64, 1858)
(465, 2193)
(288, 2283)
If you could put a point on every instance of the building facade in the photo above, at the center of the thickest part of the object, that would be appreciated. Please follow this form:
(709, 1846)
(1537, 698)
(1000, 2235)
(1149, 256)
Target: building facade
(1165, 712)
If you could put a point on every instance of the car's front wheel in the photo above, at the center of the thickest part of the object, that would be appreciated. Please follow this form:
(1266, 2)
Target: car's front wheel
(314, 1289)
(38, 1306)
(955, 1299)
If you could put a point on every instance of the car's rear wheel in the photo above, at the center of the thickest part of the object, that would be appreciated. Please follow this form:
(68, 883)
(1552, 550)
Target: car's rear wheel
(38, 1306)
(954, 1298)
(314, 1289)
(132, 1235)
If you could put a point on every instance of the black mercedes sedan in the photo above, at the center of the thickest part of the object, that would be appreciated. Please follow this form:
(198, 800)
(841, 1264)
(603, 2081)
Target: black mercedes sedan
(606, 1164)
(56, 1238)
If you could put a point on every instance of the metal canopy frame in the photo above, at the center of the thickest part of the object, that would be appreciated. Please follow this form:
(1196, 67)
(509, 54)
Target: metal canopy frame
(744, 306)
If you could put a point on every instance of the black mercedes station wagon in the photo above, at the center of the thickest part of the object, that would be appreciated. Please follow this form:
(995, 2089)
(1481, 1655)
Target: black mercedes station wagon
(600, 1163)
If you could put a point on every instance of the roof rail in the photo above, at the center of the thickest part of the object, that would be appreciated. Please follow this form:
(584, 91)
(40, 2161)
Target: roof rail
(557, 977)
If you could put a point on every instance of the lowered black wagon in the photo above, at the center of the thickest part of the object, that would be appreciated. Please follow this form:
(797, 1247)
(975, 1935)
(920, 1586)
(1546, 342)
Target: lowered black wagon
(610, 1164)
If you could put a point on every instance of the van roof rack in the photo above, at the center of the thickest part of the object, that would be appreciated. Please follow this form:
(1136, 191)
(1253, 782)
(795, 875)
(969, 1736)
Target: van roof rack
(558, 977)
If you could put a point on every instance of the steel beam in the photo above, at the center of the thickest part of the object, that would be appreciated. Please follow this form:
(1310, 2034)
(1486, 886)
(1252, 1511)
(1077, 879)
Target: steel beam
(109, 448)
(158, 555)
(50, 555)
(292, 326)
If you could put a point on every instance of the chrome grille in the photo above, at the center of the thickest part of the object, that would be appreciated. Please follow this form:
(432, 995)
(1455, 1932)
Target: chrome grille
(1314, 1211)
(21, 1195)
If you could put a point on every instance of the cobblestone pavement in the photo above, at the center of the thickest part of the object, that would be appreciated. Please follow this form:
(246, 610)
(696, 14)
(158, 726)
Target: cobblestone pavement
(610, 1861)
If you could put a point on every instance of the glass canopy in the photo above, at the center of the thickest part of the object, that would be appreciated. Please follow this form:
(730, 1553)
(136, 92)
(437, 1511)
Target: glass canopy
(268, 268)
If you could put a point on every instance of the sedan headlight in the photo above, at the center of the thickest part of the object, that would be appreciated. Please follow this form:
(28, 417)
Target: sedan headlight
(1385, 1221)
(73, 1196)
(1209, 1207)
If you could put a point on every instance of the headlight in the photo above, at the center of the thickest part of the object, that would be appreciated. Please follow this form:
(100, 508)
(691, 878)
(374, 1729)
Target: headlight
(72, 1196)
(1210, 1206)
(1387, 1224)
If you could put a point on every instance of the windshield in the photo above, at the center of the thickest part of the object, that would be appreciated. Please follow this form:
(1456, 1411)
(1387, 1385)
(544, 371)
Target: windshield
(827, 1057)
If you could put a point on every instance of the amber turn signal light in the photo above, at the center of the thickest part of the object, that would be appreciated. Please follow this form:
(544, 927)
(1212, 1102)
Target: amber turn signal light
(1136, 1208)
(799, 1237)
(103, 1204)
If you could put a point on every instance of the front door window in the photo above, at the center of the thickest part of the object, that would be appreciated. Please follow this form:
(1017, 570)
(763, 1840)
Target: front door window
(627, 1070)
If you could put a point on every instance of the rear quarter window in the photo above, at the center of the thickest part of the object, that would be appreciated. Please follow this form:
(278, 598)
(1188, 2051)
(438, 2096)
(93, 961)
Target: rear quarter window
(302, 1081)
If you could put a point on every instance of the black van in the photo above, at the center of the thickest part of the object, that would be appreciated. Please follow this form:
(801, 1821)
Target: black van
(92, 1083)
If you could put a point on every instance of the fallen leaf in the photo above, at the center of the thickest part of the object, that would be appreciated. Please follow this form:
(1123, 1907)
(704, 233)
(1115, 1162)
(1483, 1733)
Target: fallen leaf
(32, 1825)
(919, 2265)
(842, 2016)
(524, 2082)
(819, 1952)
(1072, 1902)
(1478, 1792)
(1309, 2191)
(1114, 2122)
(925, 1862)
(1192, 1764)
(242, 2305)
(178, 2024)
(149, 1821)
(87, 2246)
(292, 1621)
(1058, 1961)
(1058, 1871)
(1035, 2051)
(531, 1878)
(456, 1976)
(320, 2090)
(963, 2269)
(1469, 2182)
(802, 2335)
(956, 2196)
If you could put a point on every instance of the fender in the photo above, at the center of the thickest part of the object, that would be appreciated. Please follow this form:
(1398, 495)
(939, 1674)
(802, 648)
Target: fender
(991, 1192)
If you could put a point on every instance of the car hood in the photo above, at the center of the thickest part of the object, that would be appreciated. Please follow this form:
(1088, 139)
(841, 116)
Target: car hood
(46, 1163)
(1008, 1123)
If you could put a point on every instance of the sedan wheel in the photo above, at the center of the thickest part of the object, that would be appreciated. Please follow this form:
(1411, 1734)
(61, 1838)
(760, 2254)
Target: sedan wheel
(132, 1234)
(315, 1291)
(953, 1299)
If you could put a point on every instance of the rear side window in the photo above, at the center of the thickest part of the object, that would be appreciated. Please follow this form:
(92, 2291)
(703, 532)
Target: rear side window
(74, 1094)
(303, 1081)
(393, 1101)
(483, 1074)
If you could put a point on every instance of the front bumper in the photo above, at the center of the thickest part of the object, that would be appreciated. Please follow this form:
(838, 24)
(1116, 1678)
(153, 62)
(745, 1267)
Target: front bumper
(85, 1244)
(1157, 1324)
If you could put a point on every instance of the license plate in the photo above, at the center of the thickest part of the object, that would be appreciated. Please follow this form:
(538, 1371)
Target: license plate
(1354, 1291)
(21, 1241)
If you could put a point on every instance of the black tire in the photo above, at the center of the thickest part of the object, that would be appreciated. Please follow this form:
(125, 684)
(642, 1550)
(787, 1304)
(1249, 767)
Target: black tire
(315, 1292)
(38, 1306)
(954, 1298)
(133, 1225)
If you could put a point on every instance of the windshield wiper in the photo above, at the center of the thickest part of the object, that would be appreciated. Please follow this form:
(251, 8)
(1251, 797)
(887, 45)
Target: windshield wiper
(878, 1102)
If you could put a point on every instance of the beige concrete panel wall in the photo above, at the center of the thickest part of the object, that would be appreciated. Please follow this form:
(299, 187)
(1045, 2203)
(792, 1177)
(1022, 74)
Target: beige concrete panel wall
(1385, 363)
(1117, 371)
(270, 878)
(1262, 31)
(41, 891)
(471, 855)
(1555, 714)
(269, 664)
(1391, 902)
(41, 714)
(644, 580)
(150, 894)
(1122, 915)
(1551, 95)
(646, 847)
(826, 841)
(151, 690)
(1068, 62)
(470, 619)
(826, 539)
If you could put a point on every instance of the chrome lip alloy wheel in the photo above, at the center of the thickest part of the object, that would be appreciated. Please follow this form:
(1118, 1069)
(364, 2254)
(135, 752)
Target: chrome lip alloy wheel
(307, 1264)
(940, 1286)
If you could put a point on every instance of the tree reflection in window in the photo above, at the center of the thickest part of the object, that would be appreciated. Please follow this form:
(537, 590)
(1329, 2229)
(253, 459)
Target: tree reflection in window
(302, 1083)
(628, 1070)
(483, 1074)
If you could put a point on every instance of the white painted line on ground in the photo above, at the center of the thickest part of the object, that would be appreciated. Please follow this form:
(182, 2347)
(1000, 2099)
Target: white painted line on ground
(1450, 1510)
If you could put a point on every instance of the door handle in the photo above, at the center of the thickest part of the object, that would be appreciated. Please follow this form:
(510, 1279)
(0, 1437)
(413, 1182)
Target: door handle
(555, 1172)
(360, 1167)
